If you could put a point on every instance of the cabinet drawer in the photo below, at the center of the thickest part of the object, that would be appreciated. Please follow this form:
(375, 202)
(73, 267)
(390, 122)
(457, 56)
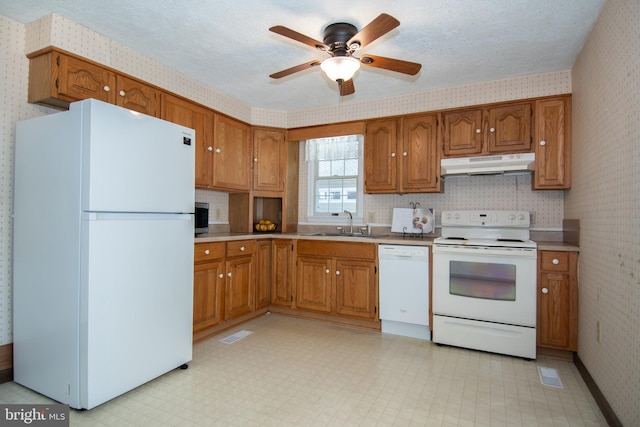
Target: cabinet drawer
(554, 261)
(208, 251)
(241, 247)
(336, 249)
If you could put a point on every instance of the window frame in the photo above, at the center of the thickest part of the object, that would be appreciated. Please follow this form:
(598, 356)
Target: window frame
(333, 218)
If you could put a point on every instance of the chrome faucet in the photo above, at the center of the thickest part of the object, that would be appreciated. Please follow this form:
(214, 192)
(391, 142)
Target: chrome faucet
(350, 221)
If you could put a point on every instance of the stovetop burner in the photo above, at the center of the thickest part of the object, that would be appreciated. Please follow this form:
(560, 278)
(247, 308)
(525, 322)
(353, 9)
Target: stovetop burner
(486, 228)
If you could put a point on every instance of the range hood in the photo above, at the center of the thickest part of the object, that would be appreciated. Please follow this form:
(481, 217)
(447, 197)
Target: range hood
(489, 165)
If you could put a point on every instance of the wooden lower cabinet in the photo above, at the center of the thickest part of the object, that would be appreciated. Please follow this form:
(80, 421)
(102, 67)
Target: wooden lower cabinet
(558, 300)
(208, 285)
(282, 272)
(337, 278)
(263, 273)
(224, 285)
(355, 288)
(240, 282)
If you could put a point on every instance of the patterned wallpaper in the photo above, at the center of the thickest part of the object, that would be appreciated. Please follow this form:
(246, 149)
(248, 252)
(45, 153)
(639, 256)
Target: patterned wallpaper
(606, 197)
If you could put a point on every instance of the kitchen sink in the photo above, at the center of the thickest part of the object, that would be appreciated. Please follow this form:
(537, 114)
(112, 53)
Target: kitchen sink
(334, 234)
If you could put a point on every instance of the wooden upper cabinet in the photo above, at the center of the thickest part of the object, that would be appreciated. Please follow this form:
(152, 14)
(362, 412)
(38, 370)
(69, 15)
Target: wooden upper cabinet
(509, 128)
(185, 113)
(499, 129)
(269, 160)
(136, 96)
(410, 164)
(56, 79)
(553, 144)
(462, 135)
(231, 154)
(380, 153)
(420, 160)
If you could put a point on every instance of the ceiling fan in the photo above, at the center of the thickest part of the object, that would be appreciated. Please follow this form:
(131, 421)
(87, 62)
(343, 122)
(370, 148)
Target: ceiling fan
(341, 40)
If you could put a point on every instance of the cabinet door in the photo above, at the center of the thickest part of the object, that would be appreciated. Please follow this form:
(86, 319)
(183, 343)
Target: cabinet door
(231, 154)
(552, 147)
(380, 156)
(281, 267)
(208, 288)
(553, 310)
(263, 274)
(313, 284)
(187, 114)
(355, 288)
(510, 128)
(79, 80)
(136, 96)
(240, 287)
(420, 164)
(269, 160)
(462, 135)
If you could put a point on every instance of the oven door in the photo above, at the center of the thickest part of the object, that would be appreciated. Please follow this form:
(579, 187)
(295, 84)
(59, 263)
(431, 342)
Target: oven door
(485, 283)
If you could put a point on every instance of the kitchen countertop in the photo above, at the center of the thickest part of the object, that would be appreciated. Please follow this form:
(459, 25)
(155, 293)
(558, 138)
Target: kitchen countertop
(395, 239)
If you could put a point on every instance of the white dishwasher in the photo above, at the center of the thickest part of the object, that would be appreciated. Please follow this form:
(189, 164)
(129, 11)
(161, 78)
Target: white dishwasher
(404, 290)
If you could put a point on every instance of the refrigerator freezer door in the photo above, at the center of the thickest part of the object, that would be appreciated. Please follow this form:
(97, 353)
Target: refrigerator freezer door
(135, 321)
(133, 162)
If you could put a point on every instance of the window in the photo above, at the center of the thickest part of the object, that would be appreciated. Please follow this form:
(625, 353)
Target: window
(335, 185)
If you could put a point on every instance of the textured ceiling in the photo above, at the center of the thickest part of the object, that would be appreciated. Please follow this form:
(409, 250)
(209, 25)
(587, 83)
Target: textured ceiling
(226, 44)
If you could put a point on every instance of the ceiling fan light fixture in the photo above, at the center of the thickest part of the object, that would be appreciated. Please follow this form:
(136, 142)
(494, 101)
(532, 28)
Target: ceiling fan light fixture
(340, 67)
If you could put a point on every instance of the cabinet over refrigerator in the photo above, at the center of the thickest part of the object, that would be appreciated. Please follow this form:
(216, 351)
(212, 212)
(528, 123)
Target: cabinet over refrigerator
(103, 251)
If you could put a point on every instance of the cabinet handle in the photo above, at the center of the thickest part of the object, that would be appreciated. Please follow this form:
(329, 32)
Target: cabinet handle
(210, 148)
(393, 154)
(106, 88)
(543, 143)
(478, 130)
(337, 272)
(545, 290)
(121, 93)
(241, 248)
(220, 276)
(255, 159)
(404, 153)
(206, 251)
(555, 261)
(217, 150)
(327, 271)
(229, 274)
(492, 130)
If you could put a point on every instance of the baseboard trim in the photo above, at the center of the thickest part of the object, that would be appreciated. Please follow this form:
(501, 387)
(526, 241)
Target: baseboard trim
(603, 404)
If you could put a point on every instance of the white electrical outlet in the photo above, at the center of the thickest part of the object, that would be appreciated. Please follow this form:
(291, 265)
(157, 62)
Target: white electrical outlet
(371, 217)
(217, 213)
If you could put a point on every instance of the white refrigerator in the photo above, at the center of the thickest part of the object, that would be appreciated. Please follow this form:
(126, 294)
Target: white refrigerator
(103, 252)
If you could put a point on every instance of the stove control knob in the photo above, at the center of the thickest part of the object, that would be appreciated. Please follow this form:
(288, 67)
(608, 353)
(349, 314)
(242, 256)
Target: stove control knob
(512, 217)
(456, 217)
(521, 217)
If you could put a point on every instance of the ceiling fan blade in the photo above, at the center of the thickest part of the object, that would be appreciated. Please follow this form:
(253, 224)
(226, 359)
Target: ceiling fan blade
(287, 32)
(295, 69)
(376, 28)
(346, 88)
(397, 65)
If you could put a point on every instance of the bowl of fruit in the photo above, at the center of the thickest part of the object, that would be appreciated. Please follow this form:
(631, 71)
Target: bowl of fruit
(265, 225)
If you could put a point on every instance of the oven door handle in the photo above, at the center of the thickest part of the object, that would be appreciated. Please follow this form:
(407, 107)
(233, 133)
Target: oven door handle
(485, 251)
